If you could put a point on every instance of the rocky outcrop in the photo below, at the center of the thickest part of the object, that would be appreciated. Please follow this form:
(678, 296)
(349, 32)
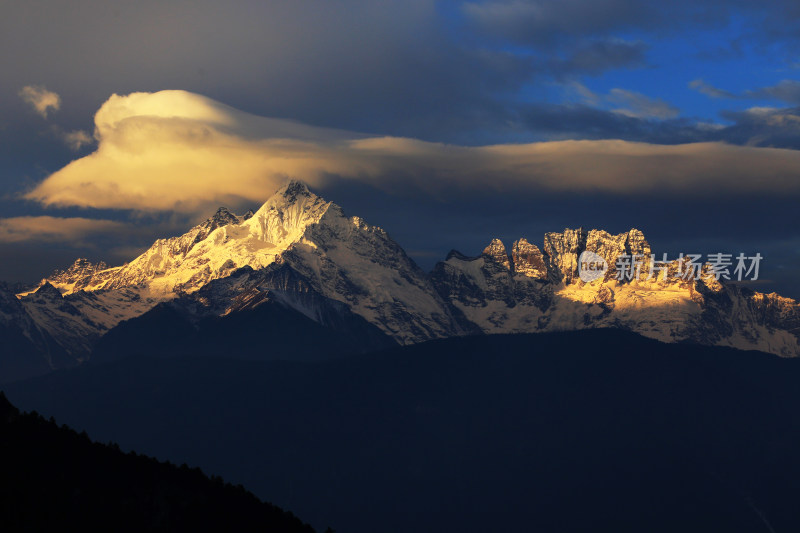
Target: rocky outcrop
(528, 260)
(303, 252)
(563, 250)
(546, 293)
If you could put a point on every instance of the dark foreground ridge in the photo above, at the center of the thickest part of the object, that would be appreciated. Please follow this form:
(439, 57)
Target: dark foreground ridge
(575, 431)
(54, 479)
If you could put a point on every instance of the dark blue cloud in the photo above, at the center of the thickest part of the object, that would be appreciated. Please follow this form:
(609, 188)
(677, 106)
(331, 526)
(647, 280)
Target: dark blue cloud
(459, 72)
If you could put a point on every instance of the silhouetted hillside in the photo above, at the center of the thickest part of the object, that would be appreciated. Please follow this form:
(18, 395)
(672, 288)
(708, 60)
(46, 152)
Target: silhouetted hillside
(580, 431)
(270, 331)
(53, 479)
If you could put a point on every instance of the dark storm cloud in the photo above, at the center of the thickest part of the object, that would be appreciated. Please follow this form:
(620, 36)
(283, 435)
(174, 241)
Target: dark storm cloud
(549, 23)
(563, 121)
(763, 126)
(399, 68)
(393, 67)
(371, 66)
(757, 126)
(590, 122)
(786, 91)
(567, 26)
(599, 56)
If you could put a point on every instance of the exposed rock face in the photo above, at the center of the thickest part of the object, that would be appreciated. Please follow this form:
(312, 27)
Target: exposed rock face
(303, 252)
(82, 274)
(348, 260)
(221, 218)
(77, 320)
(496, 252)
(546, 293)
(342, 258)
(27, 350)
(563, 250)
(528, 260)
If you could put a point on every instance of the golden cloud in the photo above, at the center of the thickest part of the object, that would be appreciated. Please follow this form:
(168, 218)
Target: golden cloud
(40, 99)
(54, 229)
(76, 139)
(182, 152)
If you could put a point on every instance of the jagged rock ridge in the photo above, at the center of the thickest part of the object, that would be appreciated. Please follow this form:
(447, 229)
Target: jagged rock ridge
(534, 291)
(356, 267)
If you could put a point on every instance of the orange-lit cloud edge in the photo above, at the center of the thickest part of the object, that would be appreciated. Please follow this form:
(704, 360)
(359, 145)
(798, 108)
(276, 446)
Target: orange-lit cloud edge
(175, 151)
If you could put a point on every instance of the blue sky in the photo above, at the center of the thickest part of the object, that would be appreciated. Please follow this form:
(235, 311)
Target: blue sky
(693, 75)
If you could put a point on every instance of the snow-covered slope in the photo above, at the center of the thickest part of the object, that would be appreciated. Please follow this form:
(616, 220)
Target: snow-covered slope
(81, 275)
(534, 291)
(342, 258)
(25, 349)
(271, 313)
(77, 320)
(341, 266)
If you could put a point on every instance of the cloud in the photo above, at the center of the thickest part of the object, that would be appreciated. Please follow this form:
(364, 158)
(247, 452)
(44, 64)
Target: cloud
(709, 90)
(178, 151)
(619, 167)
(76, 139)
(599, 56)
(181, 152)
(764, 126)
(389, 66)
(786, 91)
(55, 229)
(545, 22)
(641, 106)
(757, 126)
(618, 114)
(40, 99)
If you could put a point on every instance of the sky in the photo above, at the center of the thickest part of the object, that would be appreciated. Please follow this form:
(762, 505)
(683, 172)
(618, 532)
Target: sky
(446, 123)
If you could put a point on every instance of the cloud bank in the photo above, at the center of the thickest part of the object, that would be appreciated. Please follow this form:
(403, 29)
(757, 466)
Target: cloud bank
(55, 229)
(40, 99)
(182, 152)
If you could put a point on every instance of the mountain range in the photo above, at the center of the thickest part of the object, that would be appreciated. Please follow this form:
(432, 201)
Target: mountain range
(592, 430)
(306, 276)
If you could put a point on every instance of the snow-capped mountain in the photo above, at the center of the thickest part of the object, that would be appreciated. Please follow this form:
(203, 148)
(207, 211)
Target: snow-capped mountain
(76, 320)
(270, 313)
(541, 291)
(301, 253)
(342, 258)
(339, 258)
(27, 349)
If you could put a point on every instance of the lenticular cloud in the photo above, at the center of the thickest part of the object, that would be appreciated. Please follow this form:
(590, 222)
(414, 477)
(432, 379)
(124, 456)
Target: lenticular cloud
(175, 150)
(182, 152)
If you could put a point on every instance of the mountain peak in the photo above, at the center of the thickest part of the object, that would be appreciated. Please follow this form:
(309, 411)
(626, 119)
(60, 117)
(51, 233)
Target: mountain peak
(222, 211)
(82, 265)
(225, 242)
(293, 189)
(222, 217)
(47, 290)
(458, 255)
(528, 260)
(497, 251)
